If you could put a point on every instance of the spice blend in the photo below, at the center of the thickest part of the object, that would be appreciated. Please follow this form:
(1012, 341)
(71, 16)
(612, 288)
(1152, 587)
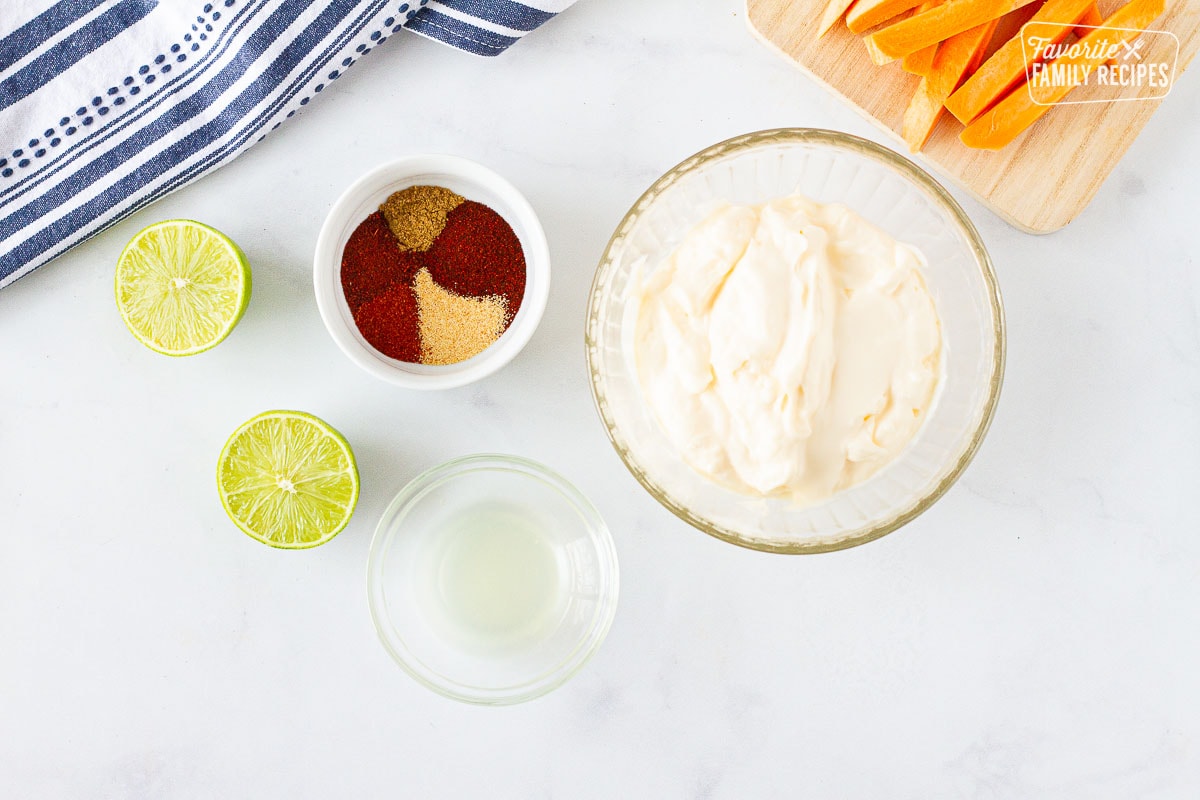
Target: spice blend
(432, 277)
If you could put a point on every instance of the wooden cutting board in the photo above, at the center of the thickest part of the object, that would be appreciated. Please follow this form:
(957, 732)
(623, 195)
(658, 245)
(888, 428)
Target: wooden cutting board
(1039, 182)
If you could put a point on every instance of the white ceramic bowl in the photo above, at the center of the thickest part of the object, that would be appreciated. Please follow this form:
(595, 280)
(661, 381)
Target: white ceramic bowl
(889, 191)
(472, 181)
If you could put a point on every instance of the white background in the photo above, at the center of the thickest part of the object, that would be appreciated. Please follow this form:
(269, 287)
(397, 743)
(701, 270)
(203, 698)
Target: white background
(1034, 635)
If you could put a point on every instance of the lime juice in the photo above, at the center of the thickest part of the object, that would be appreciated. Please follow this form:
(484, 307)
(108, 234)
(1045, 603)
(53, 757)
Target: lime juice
(494, 580)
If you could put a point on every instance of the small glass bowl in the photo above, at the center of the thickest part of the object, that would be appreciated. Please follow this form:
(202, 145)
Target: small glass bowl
(889, 191)
(420, 542)
(474, 182)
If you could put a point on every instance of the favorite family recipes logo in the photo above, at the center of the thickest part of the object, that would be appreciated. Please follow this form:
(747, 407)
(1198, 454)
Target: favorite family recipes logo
(1105, 64)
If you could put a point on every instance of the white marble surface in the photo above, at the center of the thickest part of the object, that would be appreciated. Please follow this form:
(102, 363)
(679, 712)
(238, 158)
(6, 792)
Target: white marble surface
(1033, 636)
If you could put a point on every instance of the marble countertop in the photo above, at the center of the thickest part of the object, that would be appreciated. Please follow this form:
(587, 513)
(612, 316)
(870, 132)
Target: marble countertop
(1033, 635)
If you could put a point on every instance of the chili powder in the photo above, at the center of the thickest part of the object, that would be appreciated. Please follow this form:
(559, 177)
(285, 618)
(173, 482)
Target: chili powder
(371, 262)
(389, 323)
(477, 255)
(474, 255)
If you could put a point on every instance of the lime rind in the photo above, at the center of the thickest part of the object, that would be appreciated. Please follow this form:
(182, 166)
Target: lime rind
(288, 479)
(182, 286)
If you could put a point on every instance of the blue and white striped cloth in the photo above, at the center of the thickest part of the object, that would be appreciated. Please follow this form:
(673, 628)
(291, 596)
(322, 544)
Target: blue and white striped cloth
(107, 105)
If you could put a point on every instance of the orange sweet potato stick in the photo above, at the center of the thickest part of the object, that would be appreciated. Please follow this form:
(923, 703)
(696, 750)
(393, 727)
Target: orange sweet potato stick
(878, 57)
(920, 62)
(938, 24)
(866, 14)
(955, 58)
(833, 12)
(1010, 25)
(1091, 19)
(1012, 115)
(1006, 68)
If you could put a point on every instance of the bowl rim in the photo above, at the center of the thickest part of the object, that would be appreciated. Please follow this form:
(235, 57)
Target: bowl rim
(520, 215)
(923, 180)
(591, 638)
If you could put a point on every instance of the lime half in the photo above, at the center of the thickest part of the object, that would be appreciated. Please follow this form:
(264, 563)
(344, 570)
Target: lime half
(288, 479)
(182, 286)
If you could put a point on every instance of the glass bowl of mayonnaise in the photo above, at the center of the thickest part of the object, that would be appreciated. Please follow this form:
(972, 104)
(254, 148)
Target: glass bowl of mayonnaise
(796, 340)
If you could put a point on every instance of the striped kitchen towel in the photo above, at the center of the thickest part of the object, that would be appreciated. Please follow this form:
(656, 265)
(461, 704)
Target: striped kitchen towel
(107, 105)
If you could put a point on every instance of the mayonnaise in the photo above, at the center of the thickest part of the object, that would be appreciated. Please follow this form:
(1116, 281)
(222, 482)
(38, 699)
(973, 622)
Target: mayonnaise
(788, 349)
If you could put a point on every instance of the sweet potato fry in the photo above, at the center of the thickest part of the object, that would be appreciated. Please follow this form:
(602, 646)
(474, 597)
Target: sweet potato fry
(938, 24)
(1016, 112)
(1090, 19)
(1007, 68)
(834, 11)
(878, 57)
(920, 62)
(955, 58)
(866, 14)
